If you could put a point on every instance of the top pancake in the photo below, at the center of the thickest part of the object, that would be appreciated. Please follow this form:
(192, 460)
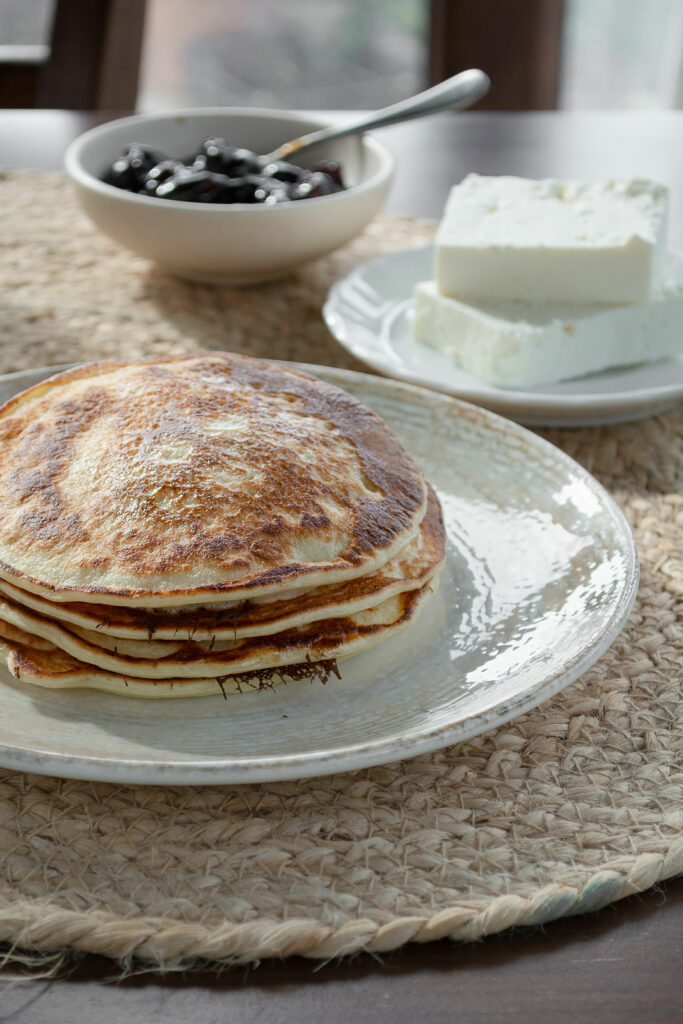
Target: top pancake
(177, 481)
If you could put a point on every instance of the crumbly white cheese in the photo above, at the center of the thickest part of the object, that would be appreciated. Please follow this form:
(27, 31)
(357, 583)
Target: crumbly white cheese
(552, 241)
(517, 345)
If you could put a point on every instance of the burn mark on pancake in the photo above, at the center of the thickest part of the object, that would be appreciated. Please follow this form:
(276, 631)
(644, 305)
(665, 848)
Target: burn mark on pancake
(37, 466)
(268, 678)
(265, 549)
(315, 521)
(52, 525)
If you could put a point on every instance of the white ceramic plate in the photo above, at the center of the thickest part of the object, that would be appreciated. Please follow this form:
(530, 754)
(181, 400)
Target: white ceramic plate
(370, 313)
(541, 574)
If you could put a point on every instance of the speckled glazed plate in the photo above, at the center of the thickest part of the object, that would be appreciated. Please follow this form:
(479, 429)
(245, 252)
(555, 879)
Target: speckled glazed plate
(370, 313)
(540, 577)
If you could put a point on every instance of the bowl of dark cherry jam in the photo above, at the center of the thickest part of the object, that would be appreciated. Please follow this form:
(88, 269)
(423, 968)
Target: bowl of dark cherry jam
(186, 190)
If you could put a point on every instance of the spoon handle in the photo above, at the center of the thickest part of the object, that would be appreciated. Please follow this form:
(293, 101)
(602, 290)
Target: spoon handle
(459, 91)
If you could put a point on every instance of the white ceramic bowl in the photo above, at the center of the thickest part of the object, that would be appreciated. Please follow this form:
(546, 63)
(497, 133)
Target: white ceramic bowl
(228, 244)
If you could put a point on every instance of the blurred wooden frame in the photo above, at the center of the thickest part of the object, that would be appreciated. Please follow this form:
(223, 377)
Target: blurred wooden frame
(91, 63)
(517, 42)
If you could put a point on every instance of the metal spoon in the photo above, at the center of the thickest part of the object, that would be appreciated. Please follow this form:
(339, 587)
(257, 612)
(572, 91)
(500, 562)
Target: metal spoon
(459, 91)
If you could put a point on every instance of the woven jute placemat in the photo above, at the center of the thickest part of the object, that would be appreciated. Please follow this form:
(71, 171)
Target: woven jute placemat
(576, 804)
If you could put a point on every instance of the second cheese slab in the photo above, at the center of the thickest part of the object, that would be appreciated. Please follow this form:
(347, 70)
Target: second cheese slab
(517, 239)
(519, 345)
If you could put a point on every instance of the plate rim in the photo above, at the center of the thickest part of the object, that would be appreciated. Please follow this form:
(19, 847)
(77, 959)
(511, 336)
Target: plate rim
(383, 750)
(505, 399)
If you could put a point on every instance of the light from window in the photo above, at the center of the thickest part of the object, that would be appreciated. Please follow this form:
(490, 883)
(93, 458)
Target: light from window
(301, 54)
(622, 54)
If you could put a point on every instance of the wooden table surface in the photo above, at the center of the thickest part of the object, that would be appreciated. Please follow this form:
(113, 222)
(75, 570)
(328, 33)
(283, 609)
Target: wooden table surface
(624, 962)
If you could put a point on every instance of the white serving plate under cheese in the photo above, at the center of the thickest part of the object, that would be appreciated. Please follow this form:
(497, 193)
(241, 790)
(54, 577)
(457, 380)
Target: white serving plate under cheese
(370, 313)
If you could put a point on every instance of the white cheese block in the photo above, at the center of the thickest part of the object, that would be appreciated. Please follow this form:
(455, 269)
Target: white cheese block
(552, 241)
(517, 345)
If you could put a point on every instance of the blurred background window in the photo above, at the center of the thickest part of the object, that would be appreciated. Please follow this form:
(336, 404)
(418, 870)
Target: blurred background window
(25, 22)
(621, 54)
(348, 54)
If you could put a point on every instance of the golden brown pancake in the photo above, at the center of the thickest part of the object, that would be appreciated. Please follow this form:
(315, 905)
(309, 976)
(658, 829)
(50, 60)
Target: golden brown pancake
(177, 527)
(36, 661)
(191, 659)
(415, 564)
(180, 481)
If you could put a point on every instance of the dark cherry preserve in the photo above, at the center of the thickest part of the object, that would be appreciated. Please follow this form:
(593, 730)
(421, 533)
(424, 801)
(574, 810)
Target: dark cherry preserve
(220, 173)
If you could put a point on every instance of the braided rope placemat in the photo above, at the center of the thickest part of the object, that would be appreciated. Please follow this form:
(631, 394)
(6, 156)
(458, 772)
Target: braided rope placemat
(576, 804)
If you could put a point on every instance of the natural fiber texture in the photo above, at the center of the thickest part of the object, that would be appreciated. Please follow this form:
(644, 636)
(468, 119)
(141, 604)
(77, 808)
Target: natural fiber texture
(576, 804)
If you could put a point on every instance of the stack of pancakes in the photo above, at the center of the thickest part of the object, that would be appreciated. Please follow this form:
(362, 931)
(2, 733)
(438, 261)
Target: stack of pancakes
(182, 526)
